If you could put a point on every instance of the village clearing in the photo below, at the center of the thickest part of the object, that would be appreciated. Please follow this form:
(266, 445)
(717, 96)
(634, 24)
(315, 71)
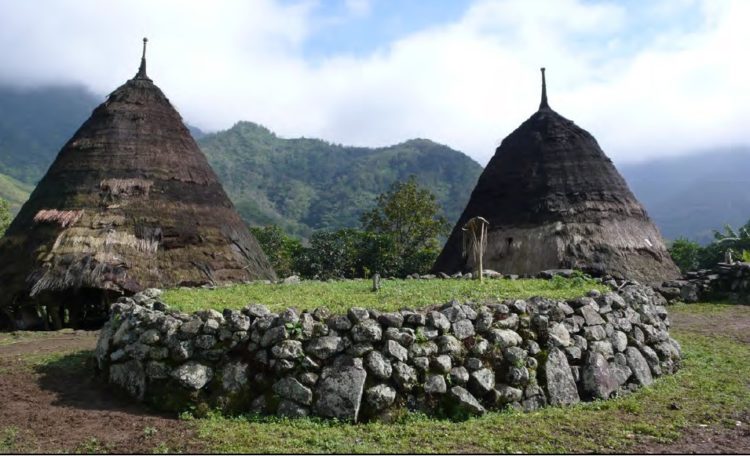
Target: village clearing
(50, 400)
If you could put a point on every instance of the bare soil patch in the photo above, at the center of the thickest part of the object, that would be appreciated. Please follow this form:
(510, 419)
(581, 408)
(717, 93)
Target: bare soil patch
(734, 436)
(60, 406)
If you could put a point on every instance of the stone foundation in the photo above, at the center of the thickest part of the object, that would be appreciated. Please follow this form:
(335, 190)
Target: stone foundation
(725, 282)
(456, 359)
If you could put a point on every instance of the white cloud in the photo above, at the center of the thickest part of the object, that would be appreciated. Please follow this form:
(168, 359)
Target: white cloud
(467, 84)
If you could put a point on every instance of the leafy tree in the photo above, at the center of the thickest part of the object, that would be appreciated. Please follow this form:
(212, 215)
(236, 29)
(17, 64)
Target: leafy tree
(4, 216)
(686, 254)
(738, 240)
(411, 217)
(332, 255)
(281, 250)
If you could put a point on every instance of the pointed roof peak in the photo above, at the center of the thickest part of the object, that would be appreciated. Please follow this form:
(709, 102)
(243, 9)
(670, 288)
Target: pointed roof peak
(543, 104)
(142, 69)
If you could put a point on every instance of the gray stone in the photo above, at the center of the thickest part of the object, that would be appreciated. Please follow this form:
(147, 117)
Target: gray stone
(149, 337)
(480, 347)
(367, 331)
(465, 401)
(463, 329)
(459, 375)
(289, 317)
(559, 335)
(340, 323)
(422, 363)
(378, 366)
(620, 373)
(560, 384)
(439, 321)
(482, 381)
(325, 347)
(291, 388)
(604, 347)
(435, 384)
(597, 380)
(505, 394)
(428, 348)
(442, 364)
(211, 326)
(505, 337)
(619, 341)
(182, 350)
(470, 313)
(405, 336)
(193, 375)
(449, 345)
(518, 306)
(518, 375)
(291, 409)
(273, 336)
(416, 319)
(380, 396)
(237, 321)
(360, 349)
(395, 350)
(288, 349)
(138, 351)
(358, 314)
(191, 327)
(339, 392)
(291, 280)
(205, 341)
(510, 322)
(391, 319)
(405, 376)
(308, 378)
(591, 315)
(515, 356)
(533, 348)
(574, 353)
(234, 376)
(473, 364)
(484, 320)
(640, 367)
(256, 310)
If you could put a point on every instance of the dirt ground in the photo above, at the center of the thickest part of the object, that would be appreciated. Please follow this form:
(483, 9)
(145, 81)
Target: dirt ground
(60, 407)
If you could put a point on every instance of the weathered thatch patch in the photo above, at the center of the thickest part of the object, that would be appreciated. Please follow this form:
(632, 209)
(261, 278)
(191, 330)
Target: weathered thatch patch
(62, 218)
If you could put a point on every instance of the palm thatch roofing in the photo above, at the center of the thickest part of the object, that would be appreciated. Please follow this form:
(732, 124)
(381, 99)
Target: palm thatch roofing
(129, 203)
(555, 200)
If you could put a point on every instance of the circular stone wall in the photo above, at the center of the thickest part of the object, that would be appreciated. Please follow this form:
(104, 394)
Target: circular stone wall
(456, 359)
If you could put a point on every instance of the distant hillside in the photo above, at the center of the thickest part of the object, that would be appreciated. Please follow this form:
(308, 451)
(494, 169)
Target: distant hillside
(34, 125)
(14, 191)
(306, 184)
(692, 195)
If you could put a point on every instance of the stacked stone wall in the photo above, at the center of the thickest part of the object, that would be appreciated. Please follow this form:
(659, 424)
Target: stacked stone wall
(455, 359)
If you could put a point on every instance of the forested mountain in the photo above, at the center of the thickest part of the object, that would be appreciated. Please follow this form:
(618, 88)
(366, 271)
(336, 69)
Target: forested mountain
(304, 184)
(692, 195)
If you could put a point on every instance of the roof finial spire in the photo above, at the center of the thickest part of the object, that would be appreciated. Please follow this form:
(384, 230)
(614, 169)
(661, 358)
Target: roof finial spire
(142, 69)
(543, 104)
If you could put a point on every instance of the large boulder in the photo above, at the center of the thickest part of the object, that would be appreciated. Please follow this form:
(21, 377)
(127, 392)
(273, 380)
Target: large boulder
(339, 392)
(597, 379)
(129, 376)
(561, 386)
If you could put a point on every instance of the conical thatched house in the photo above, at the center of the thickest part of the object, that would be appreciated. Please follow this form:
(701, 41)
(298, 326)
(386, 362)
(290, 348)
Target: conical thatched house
(129, 203)
(554, 200)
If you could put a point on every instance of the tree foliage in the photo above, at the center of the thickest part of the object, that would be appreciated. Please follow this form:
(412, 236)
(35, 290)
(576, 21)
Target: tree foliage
(4, 216)
(689, 255)
(281, 250)
(410, 215)
(685, 254)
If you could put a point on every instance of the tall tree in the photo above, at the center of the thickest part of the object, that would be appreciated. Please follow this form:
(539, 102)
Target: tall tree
(410, 215)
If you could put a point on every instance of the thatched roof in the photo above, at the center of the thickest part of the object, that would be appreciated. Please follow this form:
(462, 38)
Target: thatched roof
(130, 202)
(555, 200)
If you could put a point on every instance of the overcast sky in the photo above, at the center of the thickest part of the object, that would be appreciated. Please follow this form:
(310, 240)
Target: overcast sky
(647, 78)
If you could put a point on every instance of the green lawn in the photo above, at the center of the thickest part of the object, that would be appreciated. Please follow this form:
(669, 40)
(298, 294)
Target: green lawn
(393, 295)
(711, 387)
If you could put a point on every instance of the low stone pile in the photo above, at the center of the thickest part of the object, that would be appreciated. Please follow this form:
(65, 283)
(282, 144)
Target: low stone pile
(456, 359)
(723, 282)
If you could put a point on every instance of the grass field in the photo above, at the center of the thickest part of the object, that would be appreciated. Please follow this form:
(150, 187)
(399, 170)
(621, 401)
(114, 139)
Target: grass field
(393, 295)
